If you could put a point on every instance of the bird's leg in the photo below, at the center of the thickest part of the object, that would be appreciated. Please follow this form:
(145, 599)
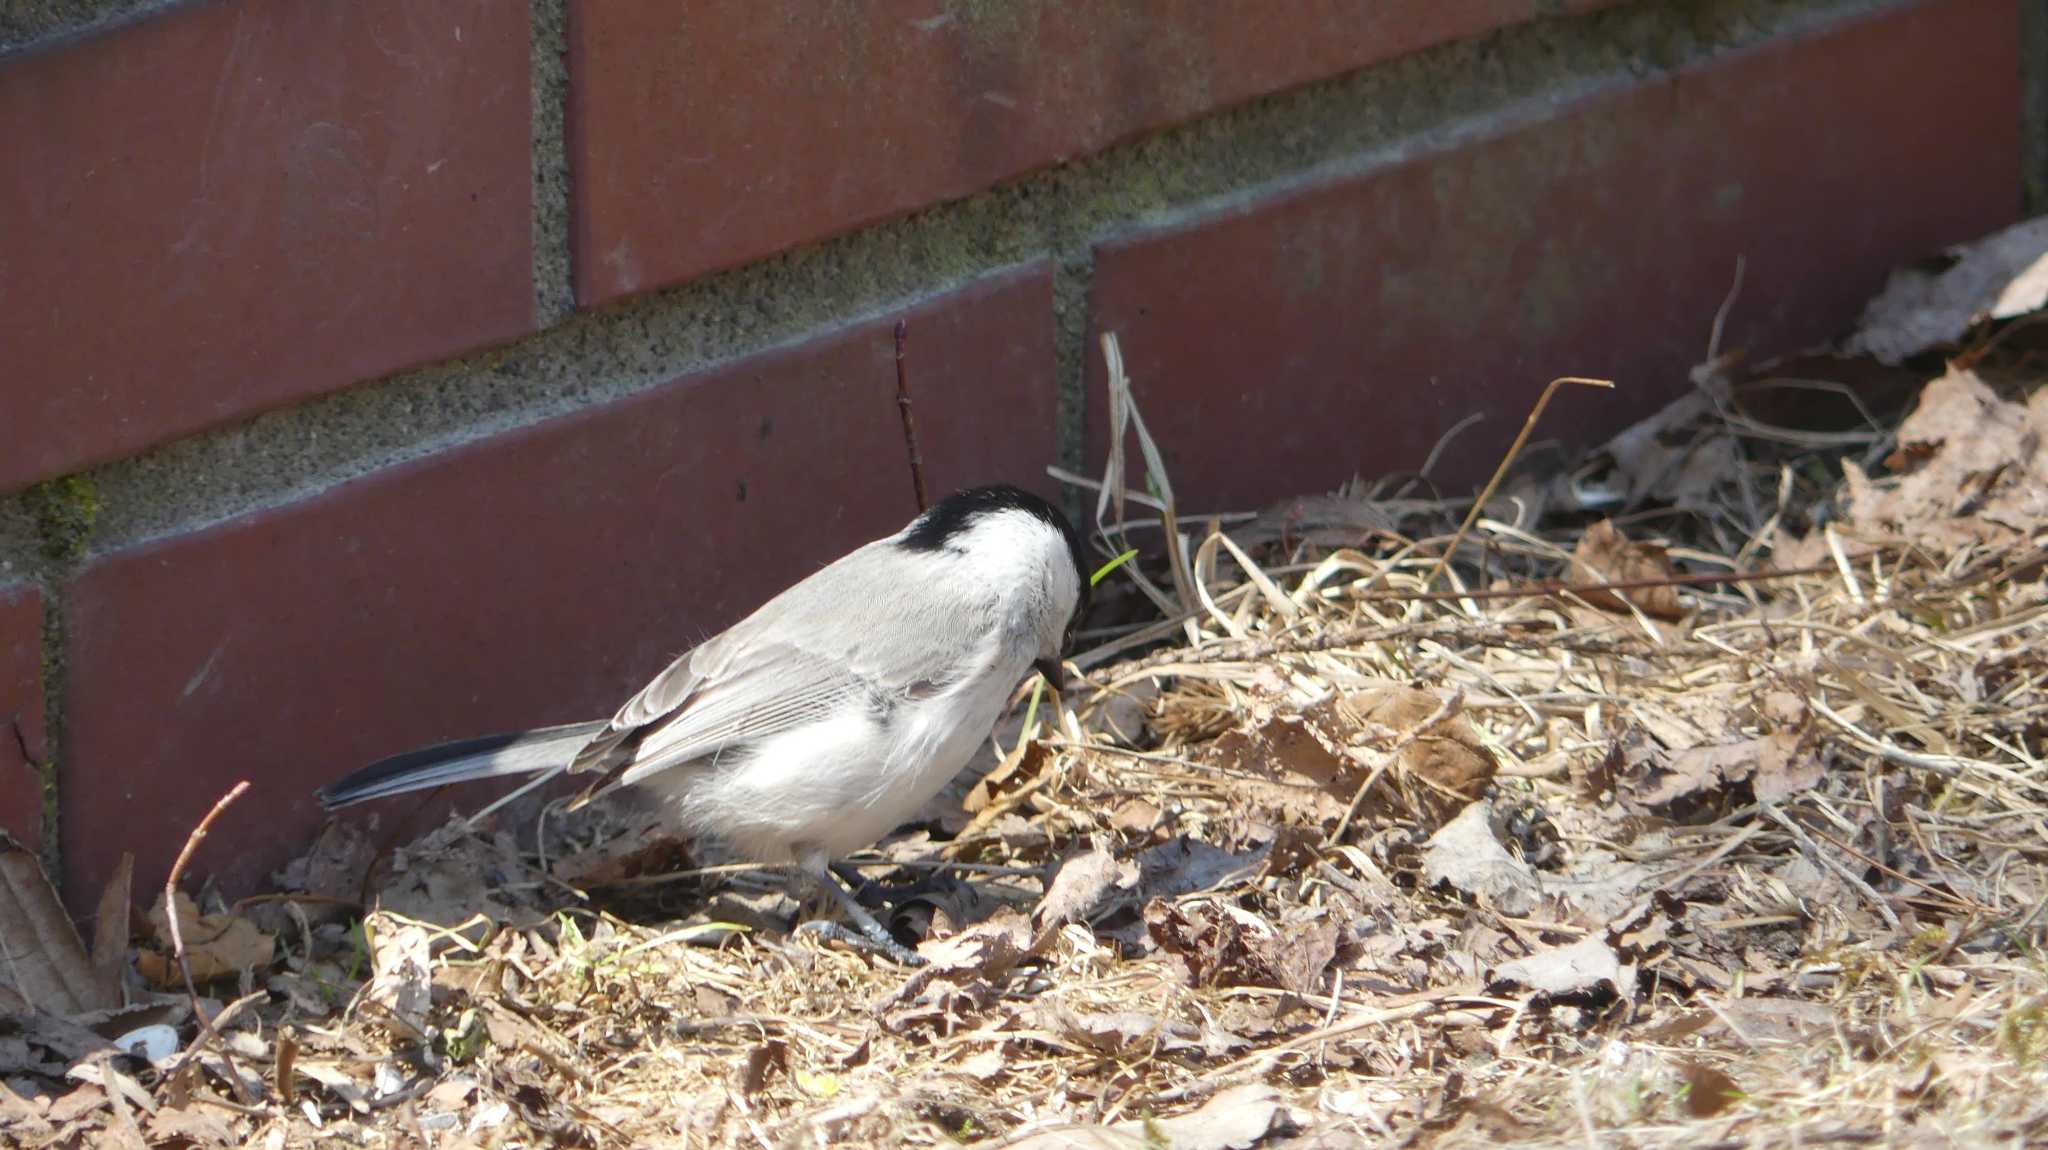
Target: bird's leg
(855, 881)
(867, 934)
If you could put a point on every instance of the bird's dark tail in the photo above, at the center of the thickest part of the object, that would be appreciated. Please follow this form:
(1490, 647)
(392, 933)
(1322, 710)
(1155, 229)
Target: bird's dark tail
(493, 756)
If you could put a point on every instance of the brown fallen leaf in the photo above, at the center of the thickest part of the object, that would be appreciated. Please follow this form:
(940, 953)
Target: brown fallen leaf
(46, 962)
(451, 1095)
(987, 949)
(1222, 944)
(762, 1061)
(1773, 765)
(1678, 455)
(454, 874)
(20, 1118)
(961, 972)
(1707, 1091)
(195, 1125)
(1136, 1032)
(1009, 777)
(216, 945)
(332, 869)
(49, 1038)
(648, 845)
(1303, 766)
(1973, 469)
(110, 931)
(1137, 817)
(1605, 555)
(78, 1103)
(1292, 767)
(1449, 758)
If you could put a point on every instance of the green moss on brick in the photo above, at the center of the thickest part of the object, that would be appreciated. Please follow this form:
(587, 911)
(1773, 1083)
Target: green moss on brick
(46, 769)
(64, 511)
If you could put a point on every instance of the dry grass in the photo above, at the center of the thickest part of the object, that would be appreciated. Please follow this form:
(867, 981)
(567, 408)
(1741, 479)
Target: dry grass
(1789, 833)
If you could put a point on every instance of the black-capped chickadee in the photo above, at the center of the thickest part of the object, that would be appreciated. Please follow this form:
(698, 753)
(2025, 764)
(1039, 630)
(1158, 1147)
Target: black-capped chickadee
(822, 721)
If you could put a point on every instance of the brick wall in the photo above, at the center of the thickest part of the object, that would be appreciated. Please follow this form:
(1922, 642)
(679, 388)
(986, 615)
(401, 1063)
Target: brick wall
(403, 370)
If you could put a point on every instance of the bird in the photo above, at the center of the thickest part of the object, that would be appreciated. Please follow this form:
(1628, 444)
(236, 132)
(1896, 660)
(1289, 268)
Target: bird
(823, 720)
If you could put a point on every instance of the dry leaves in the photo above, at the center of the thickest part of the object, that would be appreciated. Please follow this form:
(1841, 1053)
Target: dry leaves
(1467, 854)
(218, 945)
(1775, 766)
(1223, 944)
(1605, 555)
(46, 965)
(1306, 765)
(1971, 468)
(1998, 277)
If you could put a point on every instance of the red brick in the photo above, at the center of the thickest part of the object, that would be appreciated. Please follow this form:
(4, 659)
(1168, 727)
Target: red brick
(536, 577)
(227, 207)
(21, 714)
(1283, 346)
(708, 134)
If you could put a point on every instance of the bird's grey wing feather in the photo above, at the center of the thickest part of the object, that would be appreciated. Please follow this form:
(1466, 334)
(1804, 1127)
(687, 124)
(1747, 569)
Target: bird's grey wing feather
(852, 630)
(779, 689)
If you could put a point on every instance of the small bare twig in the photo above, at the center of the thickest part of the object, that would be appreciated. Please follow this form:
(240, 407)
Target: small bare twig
(1499, 473)
(909, 421)
(206, 1030)
(1855, 881)
(1537, 590)
(21, 742)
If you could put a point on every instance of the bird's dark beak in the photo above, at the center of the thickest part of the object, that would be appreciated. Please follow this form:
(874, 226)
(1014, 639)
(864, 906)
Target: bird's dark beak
(1055, 673)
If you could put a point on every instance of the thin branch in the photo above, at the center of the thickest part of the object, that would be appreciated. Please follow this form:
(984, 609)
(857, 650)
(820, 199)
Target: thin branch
(206, 1029)
(1535, 590)
(1855, 881)
(909, 421)
(1499, 473)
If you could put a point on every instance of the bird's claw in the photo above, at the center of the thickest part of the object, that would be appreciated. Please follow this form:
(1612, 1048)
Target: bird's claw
(861, 940)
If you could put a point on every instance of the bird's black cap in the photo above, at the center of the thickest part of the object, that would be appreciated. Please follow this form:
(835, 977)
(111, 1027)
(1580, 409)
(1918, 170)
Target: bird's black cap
(952, 515)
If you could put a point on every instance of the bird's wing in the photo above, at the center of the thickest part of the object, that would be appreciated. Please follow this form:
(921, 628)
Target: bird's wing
(853, 632)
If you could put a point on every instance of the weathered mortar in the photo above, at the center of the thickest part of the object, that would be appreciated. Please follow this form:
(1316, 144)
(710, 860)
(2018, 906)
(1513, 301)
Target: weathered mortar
(27, 22)
(1354, 121)
(553, 297)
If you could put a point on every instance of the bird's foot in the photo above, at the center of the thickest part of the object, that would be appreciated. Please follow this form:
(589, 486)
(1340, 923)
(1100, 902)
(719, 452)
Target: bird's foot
(832, 930)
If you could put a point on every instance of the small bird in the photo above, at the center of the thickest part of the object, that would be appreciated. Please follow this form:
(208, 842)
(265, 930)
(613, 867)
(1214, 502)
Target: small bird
(827, 717)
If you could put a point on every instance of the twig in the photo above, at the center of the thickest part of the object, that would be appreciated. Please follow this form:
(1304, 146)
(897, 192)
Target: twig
(1535, 590)
(21, 742)
(1884, 910)
(1721, 314)
(1499, 473)
(909, 421)
(1430, 1000)
(1947, 766)
(206, 1029)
